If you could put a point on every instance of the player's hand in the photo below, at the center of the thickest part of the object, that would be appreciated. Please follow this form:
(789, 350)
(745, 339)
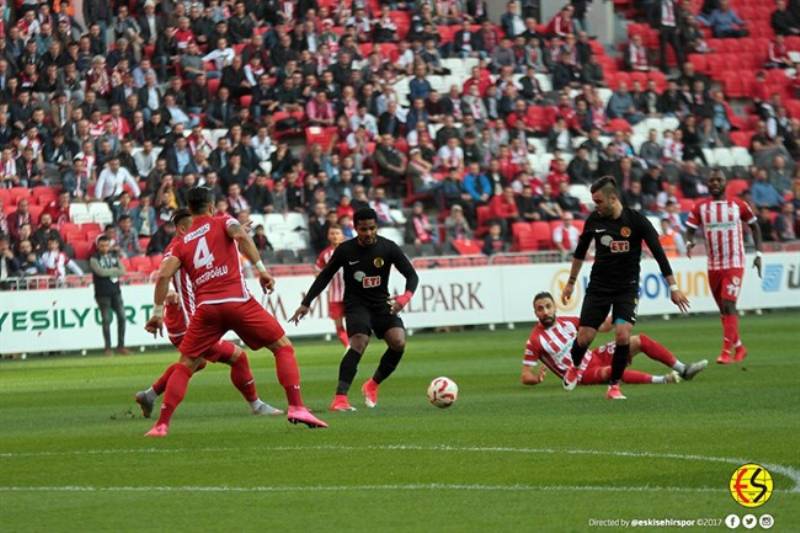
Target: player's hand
(689, 246)
(397, 303)
(757, 265)
(155, 326)
(299, 314)
(542, 373)
(267, 282)
(680, 299)
(566, 292)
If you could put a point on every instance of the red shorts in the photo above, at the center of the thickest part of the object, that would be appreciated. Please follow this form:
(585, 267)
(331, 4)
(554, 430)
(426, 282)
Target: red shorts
(221, 351)
(336, 310)
(251, 322)
(599, 368)
(725, 284)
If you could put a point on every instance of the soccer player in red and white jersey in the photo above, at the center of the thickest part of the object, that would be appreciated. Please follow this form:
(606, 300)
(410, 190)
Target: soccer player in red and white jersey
(179, 307)
(551, 339)
(721, 220)
(336, 286)
(209, 253)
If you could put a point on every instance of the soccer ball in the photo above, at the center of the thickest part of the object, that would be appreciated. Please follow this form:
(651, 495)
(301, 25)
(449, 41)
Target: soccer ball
(442, 392)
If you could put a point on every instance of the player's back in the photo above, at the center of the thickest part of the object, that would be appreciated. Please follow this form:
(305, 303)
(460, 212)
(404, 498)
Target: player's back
(210, 259)
(722, 228)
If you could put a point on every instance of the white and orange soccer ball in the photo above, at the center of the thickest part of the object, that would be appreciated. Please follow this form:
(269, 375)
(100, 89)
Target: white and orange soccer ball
(442, 392)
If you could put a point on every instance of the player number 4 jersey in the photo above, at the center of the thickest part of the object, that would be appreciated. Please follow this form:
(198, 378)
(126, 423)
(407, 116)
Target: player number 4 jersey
(210, 259)
(722, 227)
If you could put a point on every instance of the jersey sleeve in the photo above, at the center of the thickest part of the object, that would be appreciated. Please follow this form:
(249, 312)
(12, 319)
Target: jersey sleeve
(531, 355)
(694, 216)
(585, 239)
(320, 262)
(574, 320)
(745, 212)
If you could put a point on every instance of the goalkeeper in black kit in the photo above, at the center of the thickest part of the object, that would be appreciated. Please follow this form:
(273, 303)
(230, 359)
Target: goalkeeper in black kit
(366, 260)
(618, 233)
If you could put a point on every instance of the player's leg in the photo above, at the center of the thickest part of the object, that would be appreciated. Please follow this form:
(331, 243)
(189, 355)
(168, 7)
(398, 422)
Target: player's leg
(390, 328)
(119, 311)
(715, 284)
(205, 329)
(732, 286)
(658, 352)
(227, 353)
(593, 312)
(336, 312)
(359, 329)
(104, 303)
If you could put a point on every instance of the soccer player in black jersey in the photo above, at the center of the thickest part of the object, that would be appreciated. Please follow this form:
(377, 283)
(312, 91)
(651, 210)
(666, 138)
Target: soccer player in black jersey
(618, 233)
(366, 261)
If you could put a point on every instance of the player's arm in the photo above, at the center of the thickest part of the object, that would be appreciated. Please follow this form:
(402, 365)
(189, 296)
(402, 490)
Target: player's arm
(756, 229)
(169, 266)
(405, 267)
(577, 262)
(320, 282)
(246, 245)
(531, 376)
(651, 238)
(690, 230)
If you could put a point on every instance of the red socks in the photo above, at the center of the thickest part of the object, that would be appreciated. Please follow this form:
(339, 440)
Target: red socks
(288, 374)
(634, 376)
(161, 383)
(176, 390)
(657, 351)
(242, 378)
(342, 334)
(730, 331)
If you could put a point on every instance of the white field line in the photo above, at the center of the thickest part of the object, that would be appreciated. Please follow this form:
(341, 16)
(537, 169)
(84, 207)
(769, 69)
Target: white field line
(792, 473)
(366, 488)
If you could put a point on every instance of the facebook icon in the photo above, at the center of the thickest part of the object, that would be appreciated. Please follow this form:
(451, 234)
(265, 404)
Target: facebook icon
(773, 275)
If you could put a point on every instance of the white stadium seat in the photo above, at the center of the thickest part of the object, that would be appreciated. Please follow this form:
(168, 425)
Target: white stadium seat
(393, 234)
(100, 213)
(741, 156)
(723, 157)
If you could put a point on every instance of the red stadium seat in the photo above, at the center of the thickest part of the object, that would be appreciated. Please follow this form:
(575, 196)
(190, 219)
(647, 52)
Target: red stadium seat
(83, 249)
(735, 188)
(618, 124)
(544, 237)
(141, 263)
(213, 86)
(143, 242)
(17, 193)
(467, 247)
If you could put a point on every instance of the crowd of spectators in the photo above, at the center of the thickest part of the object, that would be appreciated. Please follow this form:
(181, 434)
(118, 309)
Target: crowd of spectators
(288, 106)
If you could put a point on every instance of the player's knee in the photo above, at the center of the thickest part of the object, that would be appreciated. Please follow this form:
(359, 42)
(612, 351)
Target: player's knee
(397, 345)
(359, 342)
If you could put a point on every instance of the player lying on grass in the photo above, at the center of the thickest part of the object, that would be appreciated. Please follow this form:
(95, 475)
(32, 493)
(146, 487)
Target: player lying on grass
(366, 262)
(209, 255)
(552, 337)
(178, 309)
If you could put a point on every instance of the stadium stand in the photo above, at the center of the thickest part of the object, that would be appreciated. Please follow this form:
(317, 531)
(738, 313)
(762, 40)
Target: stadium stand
(296, 117)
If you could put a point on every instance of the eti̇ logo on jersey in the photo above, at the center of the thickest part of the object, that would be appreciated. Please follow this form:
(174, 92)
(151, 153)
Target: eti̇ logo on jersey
(751, 485)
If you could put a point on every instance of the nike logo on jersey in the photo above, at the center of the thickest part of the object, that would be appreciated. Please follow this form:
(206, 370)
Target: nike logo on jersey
(351, 263)
(600, 230)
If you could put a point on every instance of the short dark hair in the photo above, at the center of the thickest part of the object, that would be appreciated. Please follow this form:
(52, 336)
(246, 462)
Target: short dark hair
(542, 295)
(606, 183)
(365, 213)
(102, 238)
(123, 217)
(198, 199)
(179, 215)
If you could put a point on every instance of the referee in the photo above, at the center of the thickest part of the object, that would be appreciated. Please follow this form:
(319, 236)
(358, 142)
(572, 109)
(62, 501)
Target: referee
(366, 261)
(618, 233)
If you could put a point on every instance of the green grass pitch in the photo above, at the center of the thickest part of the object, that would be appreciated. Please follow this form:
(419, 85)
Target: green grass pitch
(504, 458)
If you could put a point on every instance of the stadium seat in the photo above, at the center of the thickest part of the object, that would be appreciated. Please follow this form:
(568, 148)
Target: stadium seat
(735, 188)
(100, 213)
(741, 156)
(393, 234)
(541, 232)
(83, 249)
(467, 246)
(141, 263)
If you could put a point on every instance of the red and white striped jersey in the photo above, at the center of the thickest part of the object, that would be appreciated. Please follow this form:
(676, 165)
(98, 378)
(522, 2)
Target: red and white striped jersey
(55, 263)
(552, 345)
(722, 226)
(336, 286)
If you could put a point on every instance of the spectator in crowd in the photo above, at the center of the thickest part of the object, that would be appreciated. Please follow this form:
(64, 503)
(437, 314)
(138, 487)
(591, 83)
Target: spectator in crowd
(456, 225)
(111, 181)
(666, 17)
(9, 266)
(477, 185)
(494, 243)
(764, 219)
(636, 58)
(56, 262)
(127, 239)
(29, 264)
(44, 233)
(107, 269)
(621, 105)
(565, 234)
(671, 241)
(419, 229)
(503, 208)
(724, 22)
(764, 193)
(786, 223)
(783, 20)
(161, 239)
(143, 217)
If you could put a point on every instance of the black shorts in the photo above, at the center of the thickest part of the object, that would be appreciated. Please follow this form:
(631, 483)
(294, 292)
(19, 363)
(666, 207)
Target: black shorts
(365, 320)
(622, 304)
